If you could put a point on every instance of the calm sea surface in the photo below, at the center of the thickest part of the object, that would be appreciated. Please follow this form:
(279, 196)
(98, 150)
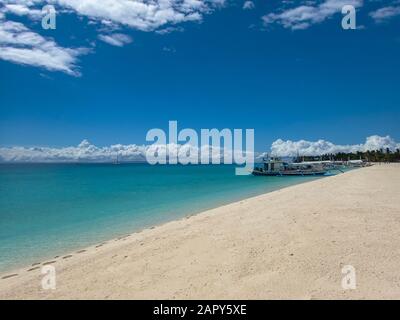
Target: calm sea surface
(50, 209)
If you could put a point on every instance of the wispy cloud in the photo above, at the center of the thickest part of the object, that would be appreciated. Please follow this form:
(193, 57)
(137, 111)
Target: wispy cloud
(113, 17)
(169, 30)
(304, 16)
(169, 49)
(20, 45)
(116, 39)
(139, 14)
(248, 5)
(386, 13)
(22, 10)
(142, 15)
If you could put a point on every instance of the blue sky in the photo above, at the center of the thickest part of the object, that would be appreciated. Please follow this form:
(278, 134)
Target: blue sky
(216, 65)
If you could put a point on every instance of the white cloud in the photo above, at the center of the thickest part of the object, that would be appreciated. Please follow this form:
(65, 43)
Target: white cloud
(83, 152)
(20, 45)
(169, 30)
(116, 39)
(140, 14)
(144, 15)
(87, 152)
(169, 49)
(385, 13)
(304, 16)
(22, 10)
(313, 148)
(248, 5)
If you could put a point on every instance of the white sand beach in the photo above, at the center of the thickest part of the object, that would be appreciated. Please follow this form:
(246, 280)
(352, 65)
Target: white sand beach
(287, 244)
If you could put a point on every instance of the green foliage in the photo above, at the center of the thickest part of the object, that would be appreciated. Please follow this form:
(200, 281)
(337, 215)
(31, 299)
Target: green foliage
(370, 156)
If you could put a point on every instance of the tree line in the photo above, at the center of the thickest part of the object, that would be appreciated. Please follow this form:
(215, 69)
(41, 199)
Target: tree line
(370, 156)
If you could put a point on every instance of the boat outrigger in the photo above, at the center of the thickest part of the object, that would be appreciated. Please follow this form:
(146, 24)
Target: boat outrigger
(277, 167)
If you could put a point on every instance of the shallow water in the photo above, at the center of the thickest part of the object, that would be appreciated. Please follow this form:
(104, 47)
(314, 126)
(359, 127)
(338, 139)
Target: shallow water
(48, 209)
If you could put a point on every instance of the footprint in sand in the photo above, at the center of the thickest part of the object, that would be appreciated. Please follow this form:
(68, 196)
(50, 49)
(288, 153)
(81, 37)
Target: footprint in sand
(35, 268)
(10, 276)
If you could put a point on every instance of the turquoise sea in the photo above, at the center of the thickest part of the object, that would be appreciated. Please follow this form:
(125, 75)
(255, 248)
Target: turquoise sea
(51, 209)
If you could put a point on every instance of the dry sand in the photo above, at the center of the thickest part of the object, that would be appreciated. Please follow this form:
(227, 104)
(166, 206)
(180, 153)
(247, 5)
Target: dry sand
(290, 243)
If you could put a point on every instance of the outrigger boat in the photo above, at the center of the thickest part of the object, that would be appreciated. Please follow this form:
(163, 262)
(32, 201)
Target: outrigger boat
(277, 167)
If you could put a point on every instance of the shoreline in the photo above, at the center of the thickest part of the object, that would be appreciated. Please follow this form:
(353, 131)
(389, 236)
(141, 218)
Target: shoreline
(20, 267)
(69, 254)
(134, 252)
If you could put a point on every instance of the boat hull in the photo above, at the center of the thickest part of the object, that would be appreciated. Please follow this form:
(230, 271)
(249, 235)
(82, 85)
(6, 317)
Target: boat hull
(289, 173)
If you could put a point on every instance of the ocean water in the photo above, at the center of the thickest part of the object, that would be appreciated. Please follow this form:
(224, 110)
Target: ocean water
(52, 209)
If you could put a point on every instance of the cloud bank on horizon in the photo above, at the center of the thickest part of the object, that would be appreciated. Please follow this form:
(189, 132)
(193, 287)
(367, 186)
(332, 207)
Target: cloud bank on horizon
(21, 45)
(87, 152)
(315, 148)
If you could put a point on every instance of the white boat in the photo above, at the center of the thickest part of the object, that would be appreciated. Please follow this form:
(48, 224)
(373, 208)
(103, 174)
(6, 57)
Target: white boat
(277, 167)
